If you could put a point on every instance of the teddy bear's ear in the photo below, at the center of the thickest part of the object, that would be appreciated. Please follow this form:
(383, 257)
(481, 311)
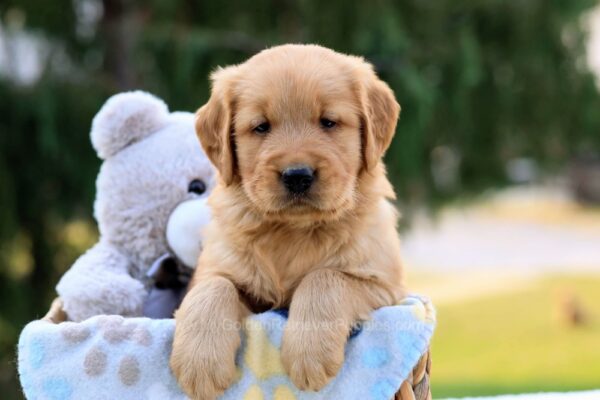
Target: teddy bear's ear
(125, 119)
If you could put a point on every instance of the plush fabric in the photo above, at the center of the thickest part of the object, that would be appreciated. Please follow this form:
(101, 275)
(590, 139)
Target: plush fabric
(150, 156)
(111, 357)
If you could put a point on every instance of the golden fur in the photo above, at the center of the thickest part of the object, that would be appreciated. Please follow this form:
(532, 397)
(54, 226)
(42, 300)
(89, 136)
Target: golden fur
(331, 257)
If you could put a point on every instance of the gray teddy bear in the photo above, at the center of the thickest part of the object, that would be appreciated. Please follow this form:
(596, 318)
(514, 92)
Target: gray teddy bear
(150, 207)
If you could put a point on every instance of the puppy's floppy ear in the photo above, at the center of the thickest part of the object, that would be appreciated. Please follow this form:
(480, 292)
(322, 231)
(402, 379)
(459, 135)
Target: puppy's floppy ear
(214, 123)
(380, 112)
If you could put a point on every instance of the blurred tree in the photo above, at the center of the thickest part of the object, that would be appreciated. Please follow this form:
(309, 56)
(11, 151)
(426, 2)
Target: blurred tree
(484, 81)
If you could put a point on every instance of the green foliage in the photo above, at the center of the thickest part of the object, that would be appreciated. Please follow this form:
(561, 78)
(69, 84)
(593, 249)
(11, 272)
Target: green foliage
(491, 79)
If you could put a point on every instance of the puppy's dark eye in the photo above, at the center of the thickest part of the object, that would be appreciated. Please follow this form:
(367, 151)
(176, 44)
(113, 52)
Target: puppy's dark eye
(197, 186)
(263, 128)
(327, 123)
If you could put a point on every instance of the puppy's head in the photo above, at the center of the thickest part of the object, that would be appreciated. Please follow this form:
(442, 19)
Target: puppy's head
(295, 127)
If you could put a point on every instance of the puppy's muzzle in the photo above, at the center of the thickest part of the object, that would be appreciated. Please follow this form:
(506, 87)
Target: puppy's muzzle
(298, 179)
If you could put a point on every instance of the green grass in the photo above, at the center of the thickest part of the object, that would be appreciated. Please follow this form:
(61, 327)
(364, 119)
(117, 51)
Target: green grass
(514, 342)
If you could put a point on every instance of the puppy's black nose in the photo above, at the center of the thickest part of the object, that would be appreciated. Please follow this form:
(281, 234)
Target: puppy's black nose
(298, 179)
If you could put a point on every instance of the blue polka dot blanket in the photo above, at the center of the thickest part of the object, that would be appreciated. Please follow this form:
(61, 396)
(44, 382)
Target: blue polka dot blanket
(111, 357)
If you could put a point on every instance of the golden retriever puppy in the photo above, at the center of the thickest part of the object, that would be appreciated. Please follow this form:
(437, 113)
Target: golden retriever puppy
(301, 214)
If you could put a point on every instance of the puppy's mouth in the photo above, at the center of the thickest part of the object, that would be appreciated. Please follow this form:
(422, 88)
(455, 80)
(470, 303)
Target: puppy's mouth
(304, 209)
(276, 203)
(308, 204)
(299, 202)
(299, 199)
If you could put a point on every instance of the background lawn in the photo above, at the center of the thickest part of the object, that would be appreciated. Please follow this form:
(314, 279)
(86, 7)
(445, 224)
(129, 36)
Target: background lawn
(516, 341)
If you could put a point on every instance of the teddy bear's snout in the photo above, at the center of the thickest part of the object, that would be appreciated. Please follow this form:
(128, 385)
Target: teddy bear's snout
(185, 230)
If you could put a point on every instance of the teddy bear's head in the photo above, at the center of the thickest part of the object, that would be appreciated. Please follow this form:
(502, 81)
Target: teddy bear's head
(152, 185)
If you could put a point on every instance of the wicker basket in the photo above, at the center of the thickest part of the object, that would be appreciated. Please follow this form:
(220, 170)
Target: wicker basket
(415, 387)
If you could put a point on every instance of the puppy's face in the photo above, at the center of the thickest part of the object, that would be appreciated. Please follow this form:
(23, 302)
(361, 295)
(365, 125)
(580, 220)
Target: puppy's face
(296, 126)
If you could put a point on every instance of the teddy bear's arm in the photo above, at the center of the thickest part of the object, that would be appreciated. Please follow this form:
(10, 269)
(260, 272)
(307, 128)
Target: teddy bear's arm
(99, 283)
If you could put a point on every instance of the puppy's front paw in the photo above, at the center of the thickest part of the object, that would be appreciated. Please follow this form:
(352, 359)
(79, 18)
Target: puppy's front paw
(204, 363)
(310, 358)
